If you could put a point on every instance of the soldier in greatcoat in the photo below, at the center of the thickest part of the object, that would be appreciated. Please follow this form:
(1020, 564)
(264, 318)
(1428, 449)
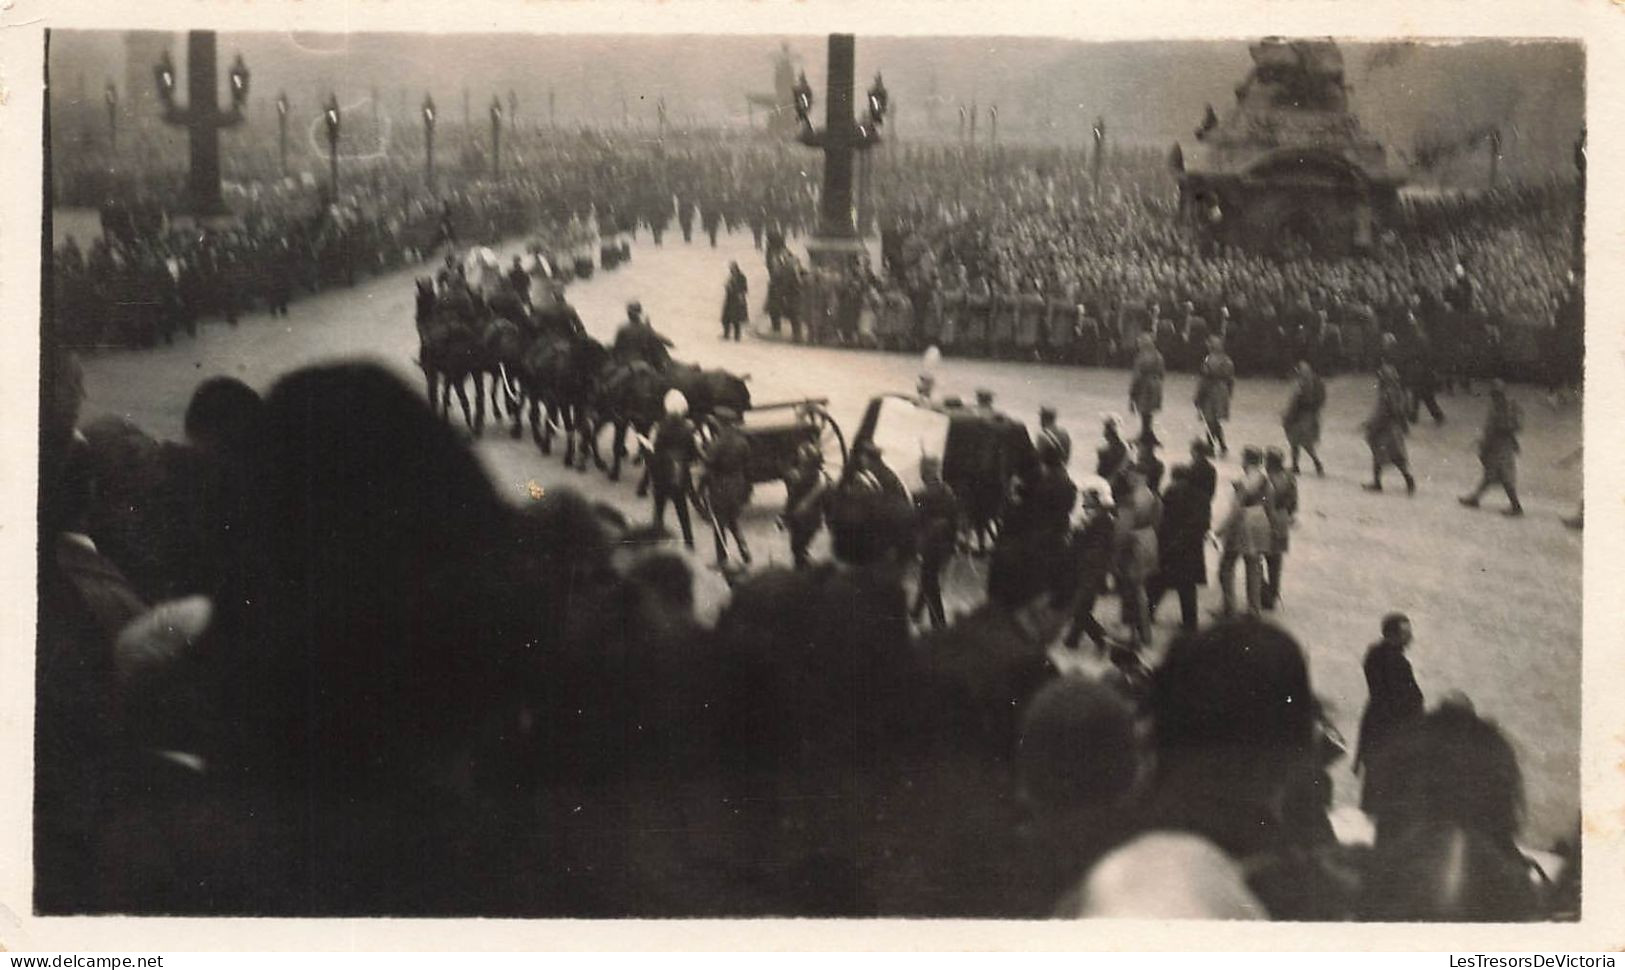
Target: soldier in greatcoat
(1283, 512)
(1213, 390)
(1145, 388)
(727, 486)
(1385, 430)
(1301, 418)
(936, 517)
(1498, 450)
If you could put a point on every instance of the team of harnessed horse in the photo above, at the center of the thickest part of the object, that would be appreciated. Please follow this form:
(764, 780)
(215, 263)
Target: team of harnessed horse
(478, 324)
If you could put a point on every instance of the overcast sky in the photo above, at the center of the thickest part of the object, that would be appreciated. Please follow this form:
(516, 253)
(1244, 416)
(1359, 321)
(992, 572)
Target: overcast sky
(1151, 92)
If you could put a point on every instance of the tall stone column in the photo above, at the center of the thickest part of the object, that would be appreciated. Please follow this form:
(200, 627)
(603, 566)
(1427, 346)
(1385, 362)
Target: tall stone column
(836, 239)
(203, 128)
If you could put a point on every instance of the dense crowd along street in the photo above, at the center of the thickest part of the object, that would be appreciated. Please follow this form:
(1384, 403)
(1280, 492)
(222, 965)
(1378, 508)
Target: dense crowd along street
(565, 543)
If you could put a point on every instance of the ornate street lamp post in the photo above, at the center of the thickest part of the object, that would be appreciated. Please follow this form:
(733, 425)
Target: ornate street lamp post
(428, 139)
(282, 131)
(496, 136)
(202, 117)
(330, 116)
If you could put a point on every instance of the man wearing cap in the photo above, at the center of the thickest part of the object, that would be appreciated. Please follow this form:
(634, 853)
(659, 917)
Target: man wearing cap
(1139, 513)
(1048, 430)
(1044, 502)
(1498, 449)
(637, 339)
(806, 487)
(1094, 547)
(1301, 419)
(1385, 430)
(1213, 390)
(1145, 388)
(672, 452)
(1283, 513)
(1247, 535)
(1112, 455)
(984, 403)
(727, 487)
(936, 519)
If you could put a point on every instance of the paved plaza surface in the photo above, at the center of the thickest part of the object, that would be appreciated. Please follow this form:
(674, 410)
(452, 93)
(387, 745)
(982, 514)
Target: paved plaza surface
(1495, 602)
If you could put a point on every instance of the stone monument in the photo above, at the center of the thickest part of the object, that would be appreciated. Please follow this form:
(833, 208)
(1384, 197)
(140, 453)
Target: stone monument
(1289, 168)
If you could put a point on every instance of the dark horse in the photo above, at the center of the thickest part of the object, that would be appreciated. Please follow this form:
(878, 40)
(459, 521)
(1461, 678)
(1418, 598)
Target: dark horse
(451, 349)
(632, 397)
(558, 375)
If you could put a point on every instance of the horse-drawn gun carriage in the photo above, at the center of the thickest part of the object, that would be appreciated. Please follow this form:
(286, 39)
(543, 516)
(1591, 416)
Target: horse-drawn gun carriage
(776, 443)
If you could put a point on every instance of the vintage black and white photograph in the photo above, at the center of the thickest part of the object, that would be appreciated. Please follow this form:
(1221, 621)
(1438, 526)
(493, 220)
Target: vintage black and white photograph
(818, 474)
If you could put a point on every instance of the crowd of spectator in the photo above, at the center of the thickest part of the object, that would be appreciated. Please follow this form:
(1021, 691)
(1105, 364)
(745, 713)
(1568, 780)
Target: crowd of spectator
(1016, 253)
(290, 669)
(1022, 257)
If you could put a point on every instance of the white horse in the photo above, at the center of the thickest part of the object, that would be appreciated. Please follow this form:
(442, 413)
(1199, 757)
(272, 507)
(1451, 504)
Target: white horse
(484, 272)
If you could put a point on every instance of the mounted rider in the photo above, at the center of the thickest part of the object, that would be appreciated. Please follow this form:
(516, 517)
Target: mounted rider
(638, 340)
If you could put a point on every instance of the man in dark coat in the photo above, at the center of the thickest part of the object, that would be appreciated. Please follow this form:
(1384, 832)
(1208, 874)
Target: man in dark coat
(806, 488)
(735, 306)
(1048, 429)
(1044, 505)
(1180, 540)
(1204, 476)
(936, 518)
(519, 280)
(637, 339)
(1112, 455)
(1395, 696)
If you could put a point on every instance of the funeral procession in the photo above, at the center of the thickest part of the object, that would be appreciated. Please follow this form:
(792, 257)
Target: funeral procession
(653, 476)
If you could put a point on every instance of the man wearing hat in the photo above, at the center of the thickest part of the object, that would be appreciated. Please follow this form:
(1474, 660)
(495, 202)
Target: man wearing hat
(1498, 449)
(1048, 430)
(727, 487)
(936, 511)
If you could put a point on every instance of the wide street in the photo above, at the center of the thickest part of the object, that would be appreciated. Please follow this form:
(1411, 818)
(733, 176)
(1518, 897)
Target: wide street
(1495, 602)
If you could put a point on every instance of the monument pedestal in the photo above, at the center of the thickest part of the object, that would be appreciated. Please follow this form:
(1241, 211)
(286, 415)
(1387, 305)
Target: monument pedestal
(834, 252)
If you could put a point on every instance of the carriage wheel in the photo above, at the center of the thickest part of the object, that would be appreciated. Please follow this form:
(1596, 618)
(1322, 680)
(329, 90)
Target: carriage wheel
(831, 443)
